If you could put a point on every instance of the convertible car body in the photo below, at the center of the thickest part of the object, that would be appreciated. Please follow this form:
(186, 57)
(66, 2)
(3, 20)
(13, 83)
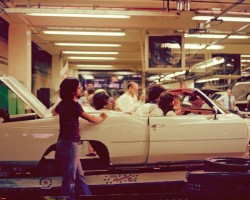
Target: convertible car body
(30, 132)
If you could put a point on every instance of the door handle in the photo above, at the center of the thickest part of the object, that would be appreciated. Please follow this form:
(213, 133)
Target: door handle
(157, 125)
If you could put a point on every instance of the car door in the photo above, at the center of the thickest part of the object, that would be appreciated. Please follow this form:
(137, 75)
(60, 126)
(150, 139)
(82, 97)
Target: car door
(195, 137)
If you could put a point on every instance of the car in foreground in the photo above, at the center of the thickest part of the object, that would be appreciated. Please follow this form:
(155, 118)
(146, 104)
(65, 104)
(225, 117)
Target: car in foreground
(29, 134)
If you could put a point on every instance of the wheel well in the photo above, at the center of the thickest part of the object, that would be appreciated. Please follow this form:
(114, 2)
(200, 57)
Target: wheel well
(99, 147)
(51, 148)
(101, 150)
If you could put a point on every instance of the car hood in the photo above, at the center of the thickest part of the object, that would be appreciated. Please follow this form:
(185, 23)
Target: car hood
(24, 94)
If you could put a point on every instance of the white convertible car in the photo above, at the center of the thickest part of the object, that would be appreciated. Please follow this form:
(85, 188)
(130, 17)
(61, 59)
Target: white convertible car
(29, 132)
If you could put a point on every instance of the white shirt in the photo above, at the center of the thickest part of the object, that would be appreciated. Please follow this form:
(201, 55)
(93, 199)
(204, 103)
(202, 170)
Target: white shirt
(126, 102)
(148, 110)
(225, 101)
(151, 110)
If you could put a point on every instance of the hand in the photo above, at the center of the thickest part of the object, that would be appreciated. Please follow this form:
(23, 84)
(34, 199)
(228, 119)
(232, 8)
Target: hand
(103, 116)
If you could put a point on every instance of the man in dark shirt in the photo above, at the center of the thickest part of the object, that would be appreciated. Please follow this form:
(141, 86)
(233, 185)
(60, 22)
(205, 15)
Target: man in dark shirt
(69, 111)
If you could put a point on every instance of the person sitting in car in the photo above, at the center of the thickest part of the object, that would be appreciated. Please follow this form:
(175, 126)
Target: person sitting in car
(101, 100)
(167, 104)
(150, 108)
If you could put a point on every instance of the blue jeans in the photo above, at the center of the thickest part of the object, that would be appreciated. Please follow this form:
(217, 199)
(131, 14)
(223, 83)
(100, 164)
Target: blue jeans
(73, 176)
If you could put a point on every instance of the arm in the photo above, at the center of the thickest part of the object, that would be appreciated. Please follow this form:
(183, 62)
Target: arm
(53, 108)
(94, 119)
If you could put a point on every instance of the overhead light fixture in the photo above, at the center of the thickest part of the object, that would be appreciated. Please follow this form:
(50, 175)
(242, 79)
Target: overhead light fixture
(89, 77)
(78, 15)
(84, 65)
(86, 44)
(209, 63)
(215, 36)
(90, 58)
(245, 56)
(214, 47)
(245, 61)
(99, 67)
(207, 80)
(91, 52)
(225, 19)
(153, 78)
(93, 33)
(112, 13)
(194, 46)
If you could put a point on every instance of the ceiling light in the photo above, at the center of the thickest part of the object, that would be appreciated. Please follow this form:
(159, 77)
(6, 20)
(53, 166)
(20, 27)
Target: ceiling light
(86, 44)
(90, 52)
(94, 12)
(209, 63)
(207, 80)
(195, 46)
(154, 77)
(245, 60)
(67, 12)
(216, 36)
(78, 15)
(245, 56)
(215, 47)
(95, 33)
(90, 58)
(96, 67)
(225, 19)
(89, 77)
(81, 65)
(239, 37)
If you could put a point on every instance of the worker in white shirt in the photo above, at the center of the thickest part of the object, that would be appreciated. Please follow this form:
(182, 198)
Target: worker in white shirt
(228, 100)
(126, 102)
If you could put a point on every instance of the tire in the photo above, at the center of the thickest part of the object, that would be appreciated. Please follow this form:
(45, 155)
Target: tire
(218, 185)
(227, 164)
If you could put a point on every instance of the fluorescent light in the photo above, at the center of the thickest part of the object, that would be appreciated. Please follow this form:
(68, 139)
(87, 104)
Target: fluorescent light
(216, 36)
(225, 19)
(94, 12)
(154, 77)
(90, 52)
(207, 80)
(86, 44)
(81, 65)
(99, 67)
(172, 75)
(195, 46)
(209, 63)
(96, 33)
(245, 56)
(90, 58)
(215, 47)
(78, 15)
(245, 61)
(88, 77)
(239, 37)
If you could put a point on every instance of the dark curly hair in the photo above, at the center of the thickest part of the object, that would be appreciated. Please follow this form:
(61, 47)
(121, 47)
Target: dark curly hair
(100, 100)
(166, 102)
(153, 93)
(68, 88)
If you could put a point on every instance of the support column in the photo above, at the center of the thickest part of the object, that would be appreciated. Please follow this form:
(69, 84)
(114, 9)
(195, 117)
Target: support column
(57, 65)
(75, 72)
(19, 53)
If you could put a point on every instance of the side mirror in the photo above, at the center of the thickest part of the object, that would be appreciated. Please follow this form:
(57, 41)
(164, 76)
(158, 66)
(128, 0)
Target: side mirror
(215, 111)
